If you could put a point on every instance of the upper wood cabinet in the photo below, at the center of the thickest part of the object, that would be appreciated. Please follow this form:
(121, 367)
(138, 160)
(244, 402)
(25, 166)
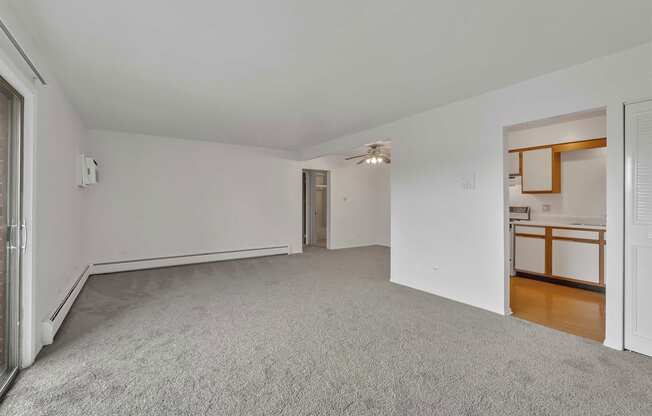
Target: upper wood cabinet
(514, 163)
(541, 171)
(540, 166)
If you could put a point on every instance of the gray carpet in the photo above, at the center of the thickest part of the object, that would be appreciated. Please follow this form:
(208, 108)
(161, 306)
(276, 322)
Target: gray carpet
(323, 333)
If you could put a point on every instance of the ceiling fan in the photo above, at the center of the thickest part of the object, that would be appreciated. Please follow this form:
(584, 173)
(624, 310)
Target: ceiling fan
(376, 154)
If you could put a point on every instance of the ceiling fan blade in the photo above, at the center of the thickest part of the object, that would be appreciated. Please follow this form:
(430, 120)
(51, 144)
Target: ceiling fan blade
(355, 157)
(360, 162)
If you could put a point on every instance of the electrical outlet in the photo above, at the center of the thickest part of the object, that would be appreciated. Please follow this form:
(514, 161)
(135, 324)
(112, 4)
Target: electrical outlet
(468, 181)
(545, 208)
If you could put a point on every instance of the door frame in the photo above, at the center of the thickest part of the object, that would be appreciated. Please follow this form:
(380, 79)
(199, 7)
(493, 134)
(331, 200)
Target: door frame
(614, 259)
(307, 210)
(15, 238)
(29, 337)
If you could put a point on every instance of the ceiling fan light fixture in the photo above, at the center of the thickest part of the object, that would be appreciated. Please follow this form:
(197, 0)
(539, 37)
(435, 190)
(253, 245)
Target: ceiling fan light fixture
(376, 154)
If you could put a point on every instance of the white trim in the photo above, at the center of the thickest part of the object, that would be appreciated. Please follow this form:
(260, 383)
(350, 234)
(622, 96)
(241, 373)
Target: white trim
(329, 223)
(614, 261)
(614, 267)
(51, 325)
(153, 263)
(347, 246)
(29, 325)
(637, 101)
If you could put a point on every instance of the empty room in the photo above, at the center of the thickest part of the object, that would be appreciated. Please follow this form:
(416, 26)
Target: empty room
(325, 207)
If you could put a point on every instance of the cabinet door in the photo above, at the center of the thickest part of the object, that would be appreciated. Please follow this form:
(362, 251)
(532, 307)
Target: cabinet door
(514, 164)
(576, 260)
(530, 254)
(541, 170)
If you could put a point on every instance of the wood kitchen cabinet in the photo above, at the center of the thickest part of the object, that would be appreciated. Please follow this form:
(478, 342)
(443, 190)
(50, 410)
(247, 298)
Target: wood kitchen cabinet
(514, 163)
(578, 254)
(541, 171)
(561, 253)
(540, 166)
(530, 254)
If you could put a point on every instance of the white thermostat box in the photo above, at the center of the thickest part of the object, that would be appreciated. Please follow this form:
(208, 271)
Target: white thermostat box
(88, 171)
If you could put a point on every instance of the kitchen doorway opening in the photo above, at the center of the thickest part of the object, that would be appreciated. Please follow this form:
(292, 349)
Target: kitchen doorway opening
(556, 210)
(316, 212)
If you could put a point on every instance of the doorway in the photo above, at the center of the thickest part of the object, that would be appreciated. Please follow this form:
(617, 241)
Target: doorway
(315, 208)
(555, 193)
(11, 215)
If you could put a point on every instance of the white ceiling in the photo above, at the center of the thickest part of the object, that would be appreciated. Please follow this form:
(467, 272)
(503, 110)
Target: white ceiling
(293, 73)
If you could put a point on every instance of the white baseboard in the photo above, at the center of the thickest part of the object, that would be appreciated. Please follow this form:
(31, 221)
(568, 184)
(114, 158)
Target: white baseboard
(153, 263)
(357, 245)
(51, 325)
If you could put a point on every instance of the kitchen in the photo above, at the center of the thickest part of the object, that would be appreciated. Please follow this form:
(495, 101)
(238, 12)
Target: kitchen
(557, 212)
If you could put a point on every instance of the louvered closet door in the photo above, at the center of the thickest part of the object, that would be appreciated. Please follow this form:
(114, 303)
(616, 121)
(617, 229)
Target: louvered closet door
(638, 227)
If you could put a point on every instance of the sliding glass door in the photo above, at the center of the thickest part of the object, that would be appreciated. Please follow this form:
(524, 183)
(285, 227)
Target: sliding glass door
(11, 128)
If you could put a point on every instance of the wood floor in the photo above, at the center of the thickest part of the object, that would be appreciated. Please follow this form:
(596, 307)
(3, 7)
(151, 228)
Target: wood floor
(576, 311)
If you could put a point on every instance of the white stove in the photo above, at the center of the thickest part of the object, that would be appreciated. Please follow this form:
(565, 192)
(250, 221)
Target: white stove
(519, 213)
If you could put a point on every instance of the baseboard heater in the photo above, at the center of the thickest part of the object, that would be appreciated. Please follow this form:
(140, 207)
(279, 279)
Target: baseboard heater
(53, 323)
(51, 326)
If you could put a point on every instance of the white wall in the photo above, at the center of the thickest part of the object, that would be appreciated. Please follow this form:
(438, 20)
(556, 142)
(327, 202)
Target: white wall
(583, 194)
(360, 213)
(593, 126)
(61, 138)
(451, 241)
(57, 210)
(384, 206)
(360, 201)
(160, 196)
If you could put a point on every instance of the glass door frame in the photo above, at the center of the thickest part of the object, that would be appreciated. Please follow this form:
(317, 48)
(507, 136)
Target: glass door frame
(15, 237)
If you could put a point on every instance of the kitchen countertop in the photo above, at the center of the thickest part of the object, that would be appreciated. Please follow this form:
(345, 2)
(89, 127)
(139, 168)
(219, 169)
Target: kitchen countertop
(557, 223)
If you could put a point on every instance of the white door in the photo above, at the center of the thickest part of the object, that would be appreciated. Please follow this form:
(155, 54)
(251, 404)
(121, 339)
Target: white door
(638, 227)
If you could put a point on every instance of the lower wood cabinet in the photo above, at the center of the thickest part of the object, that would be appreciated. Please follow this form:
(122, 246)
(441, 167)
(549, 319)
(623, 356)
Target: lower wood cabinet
(576, 260)
(562, 253)
(530, 254)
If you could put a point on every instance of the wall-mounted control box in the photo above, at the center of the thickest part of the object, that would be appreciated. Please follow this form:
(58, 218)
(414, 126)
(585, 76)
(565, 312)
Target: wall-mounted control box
(87, 171)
